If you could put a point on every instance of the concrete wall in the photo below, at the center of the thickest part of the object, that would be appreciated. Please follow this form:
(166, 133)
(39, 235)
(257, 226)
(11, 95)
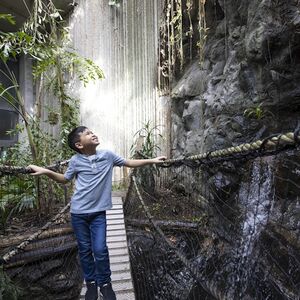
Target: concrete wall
(22, 69)
(123, 41)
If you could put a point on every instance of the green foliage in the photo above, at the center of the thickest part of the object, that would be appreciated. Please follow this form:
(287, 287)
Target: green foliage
(146, 145)
(146, 141)
(257, 112)
(8, 290)
(7, 96)
(9, 18)
(53, 116)
(68, 63)
(45, 38)
(199, 219)
(19, 195)
(156, 208)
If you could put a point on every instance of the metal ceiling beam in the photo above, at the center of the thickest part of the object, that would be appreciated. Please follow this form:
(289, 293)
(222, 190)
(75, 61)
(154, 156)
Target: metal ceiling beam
(19, 9)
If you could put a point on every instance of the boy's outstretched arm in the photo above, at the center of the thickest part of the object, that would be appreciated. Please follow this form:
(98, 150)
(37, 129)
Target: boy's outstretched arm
(133, 163)
(58, 177)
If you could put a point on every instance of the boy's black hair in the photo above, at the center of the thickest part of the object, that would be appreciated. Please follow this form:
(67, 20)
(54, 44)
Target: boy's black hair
(74, 137)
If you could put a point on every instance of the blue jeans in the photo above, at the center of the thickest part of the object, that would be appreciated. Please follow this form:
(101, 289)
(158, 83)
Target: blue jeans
(90, 231)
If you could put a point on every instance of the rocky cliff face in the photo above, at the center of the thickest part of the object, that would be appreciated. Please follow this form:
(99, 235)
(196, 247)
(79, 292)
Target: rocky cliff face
(248, 86)
(247, 89)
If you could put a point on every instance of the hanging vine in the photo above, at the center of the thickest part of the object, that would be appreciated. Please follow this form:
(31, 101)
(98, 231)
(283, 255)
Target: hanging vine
(202, 31)
(190, 32)
(179, 32)
(176, 30)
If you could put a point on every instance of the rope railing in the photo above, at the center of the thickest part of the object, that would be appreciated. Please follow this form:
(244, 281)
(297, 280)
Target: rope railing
(267, 146)
(11, 170)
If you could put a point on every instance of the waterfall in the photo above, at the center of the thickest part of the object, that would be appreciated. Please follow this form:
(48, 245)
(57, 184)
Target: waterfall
(258, 204)
(256, 200)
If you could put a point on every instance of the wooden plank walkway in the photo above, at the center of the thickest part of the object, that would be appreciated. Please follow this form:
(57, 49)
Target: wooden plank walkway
(118, 253)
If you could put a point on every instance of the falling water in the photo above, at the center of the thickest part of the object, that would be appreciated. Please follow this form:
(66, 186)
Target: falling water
(258, 204)
(256, 201)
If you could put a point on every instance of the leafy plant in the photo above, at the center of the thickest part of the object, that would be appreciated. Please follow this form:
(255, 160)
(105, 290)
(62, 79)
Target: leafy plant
(18, 195)
(9, 18)
(146, 145)
(145, 141)
(53, 116)
(256, 112)
(45, 38)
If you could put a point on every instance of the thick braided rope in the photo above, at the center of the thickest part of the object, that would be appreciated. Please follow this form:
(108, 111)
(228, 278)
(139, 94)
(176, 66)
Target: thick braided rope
(268, 144)
(12, 170)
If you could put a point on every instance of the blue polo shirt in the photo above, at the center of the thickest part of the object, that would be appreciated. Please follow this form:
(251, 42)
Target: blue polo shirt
(93, 180)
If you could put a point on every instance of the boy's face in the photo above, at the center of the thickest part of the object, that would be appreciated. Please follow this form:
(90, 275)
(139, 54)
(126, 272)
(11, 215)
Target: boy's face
(88, 140)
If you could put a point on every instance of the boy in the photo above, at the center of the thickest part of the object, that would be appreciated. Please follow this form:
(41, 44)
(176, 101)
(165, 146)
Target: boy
(92, 170)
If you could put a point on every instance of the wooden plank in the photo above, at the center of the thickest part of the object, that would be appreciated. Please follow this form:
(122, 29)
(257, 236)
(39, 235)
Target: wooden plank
(116, 206)
(114, 212)
(116, 227)
(115, 217)
(116, 239)
(119, 259)
(118, 251)
(116, 232)
(116, 244)
(126, 296)
(121, 267)
(119, 276)
(122, 285)
(115, 221)
(117, 201)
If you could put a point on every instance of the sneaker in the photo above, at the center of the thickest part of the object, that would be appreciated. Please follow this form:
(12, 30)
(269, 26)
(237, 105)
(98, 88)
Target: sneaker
(107, 292)
(91, 292)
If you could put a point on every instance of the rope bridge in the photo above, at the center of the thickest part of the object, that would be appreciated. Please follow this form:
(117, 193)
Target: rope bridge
(219, 225)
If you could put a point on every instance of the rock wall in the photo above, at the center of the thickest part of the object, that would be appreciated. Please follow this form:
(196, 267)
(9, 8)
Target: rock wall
(246, 89)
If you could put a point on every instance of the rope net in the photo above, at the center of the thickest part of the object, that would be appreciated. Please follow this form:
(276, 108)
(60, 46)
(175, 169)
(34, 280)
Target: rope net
(216, 229)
